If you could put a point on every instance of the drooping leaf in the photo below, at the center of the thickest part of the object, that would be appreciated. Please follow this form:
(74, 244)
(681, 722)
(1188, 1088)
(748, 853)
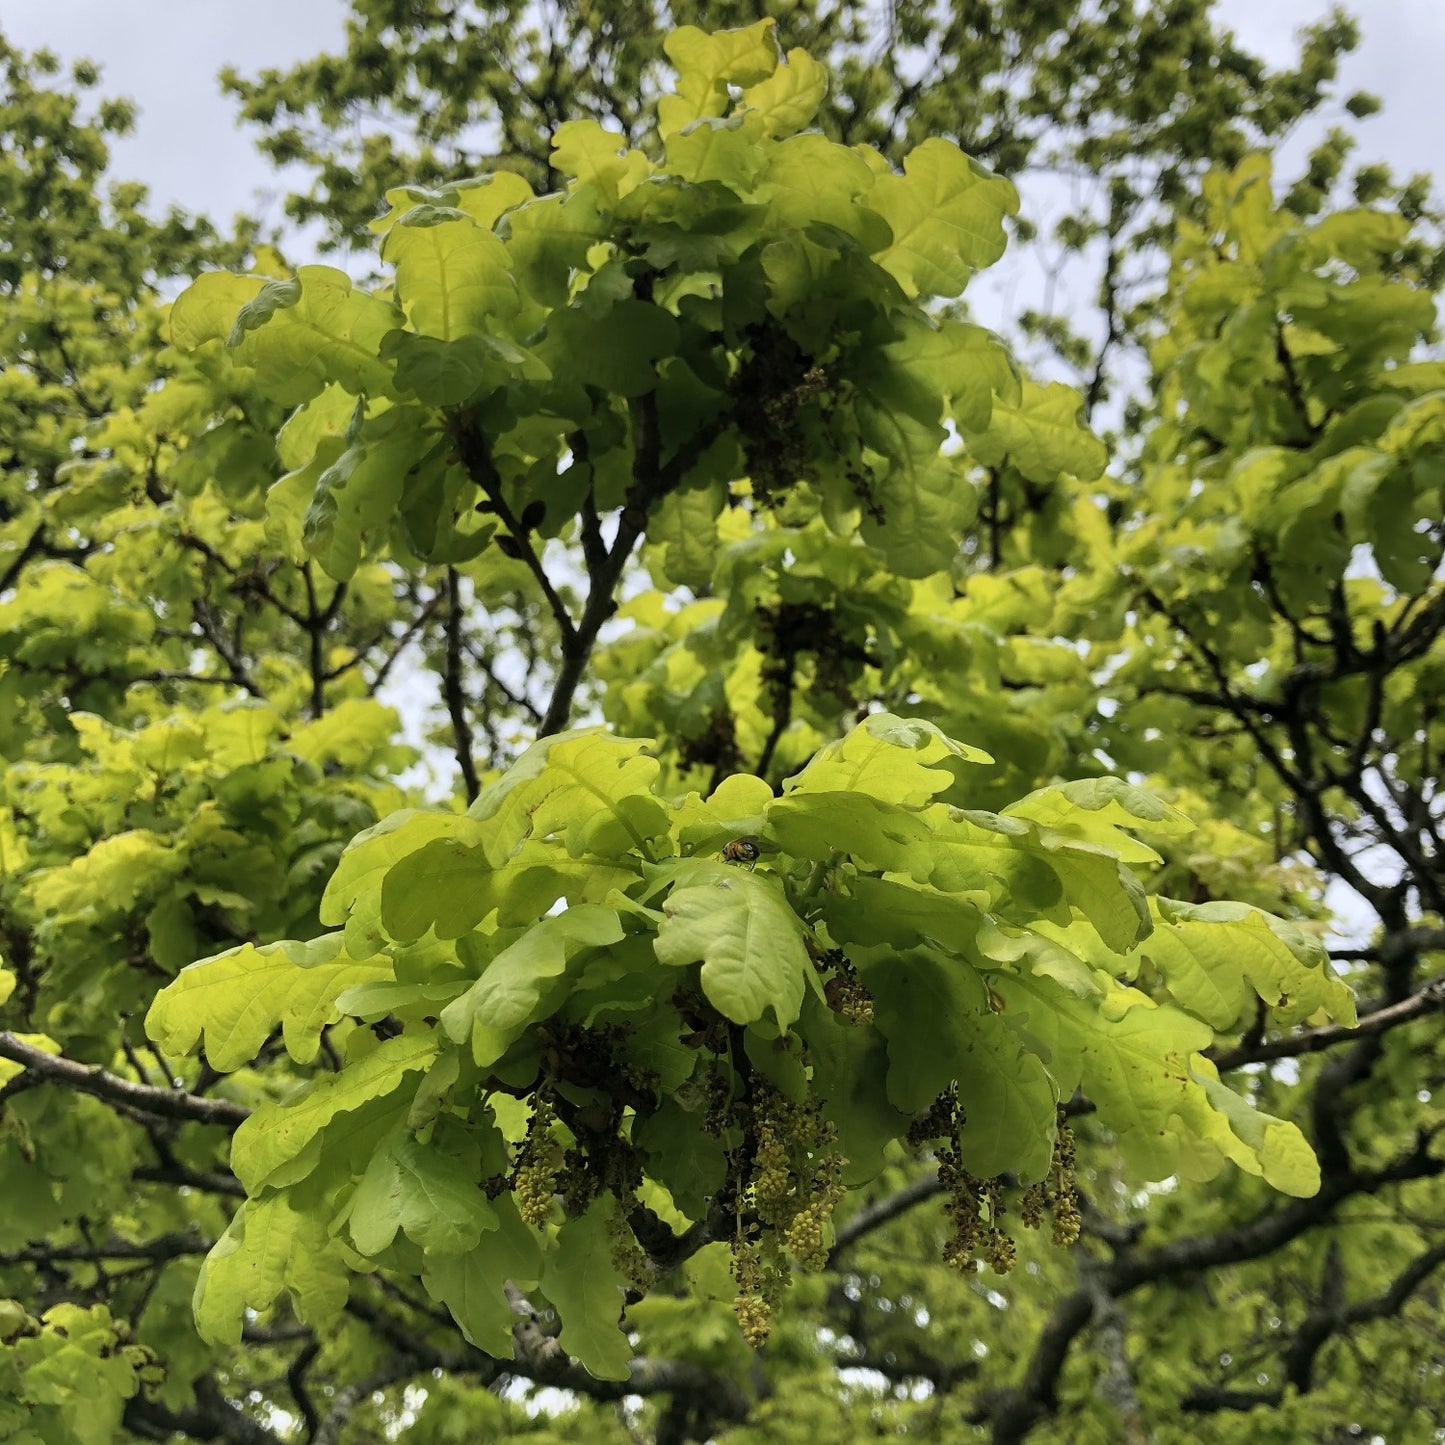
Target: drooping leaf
(411, 1186)
(269, 1246)
(586, 1288)
(277, 1134)
(471, 1284)
(518, 985)
(936, 1015)
(1216, 956)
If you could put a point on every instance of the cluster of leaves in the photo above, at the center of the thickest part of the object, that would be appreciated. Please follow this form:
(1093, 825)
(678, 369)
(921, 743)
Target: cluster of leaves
(749, 309)
(733, 266)
(653, 1026)
(68, 1375)
(1134, 102)
(179, 834)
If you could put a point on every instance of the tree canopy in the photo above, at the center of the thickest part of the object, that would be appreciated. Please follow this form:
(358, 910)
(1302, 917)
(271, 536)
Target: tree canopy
(901, 918)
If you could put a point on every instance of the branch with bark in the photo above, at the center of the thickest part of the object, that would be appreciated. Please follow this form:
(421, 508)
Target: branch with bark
(142, 1099)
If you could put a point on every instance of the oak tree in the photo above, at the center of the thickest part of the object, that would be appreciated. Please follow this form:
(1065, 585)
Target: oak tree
(880, 921)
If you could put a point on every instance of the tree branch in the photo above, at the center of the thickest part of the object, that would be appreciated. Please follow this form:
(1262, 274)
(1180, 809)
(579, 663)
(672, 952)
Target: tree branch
(112, 1089)
(422, 617)
(346, 1399)
(1016, 1410)
(878, 1212)
(1329, 1319)
(225, 650)
(163, 1247)
(476, 457)
(316, 621)
(212, 1417)
(540, 1358)
(452, 688)
(1427, 1000)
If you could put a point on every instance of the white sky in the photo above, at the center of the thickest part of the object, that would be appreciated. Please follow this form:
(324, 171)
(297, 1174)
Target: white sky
(165, 54)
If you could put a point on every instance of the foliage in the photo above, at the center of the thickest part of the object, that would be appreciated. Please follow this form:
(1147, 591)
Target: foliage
(1131, 102)
(961, 843)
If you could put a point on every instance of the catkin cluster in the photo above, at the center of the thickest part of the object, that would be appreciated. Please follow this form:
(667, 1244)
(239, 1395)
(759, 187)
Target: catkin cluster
(1059, 1192)
(975, 1207)
(794, 1180)
(797, 1175)
(760, 1290)
(628, 1257)
(534, 1180)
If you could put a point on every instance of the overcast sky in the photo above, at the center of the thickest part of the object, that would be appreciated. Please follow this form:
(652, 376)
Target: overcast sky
(165, 54)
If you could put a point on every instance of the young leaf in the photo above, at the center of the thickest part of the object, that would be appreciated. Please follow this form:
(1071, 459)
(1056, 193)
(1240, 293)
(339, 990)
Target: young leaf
(586, 1288)
(411, 1186)
(277, 1134)
(235, 999)
(896, 760)
(270, 1245)
(517, 986)
(946, 212)
(452, 277)
(741, 928)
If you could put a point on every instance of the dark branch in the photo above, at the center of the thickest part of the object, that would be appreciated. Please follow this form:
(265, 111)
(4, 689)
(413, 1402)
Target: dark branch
(1330, 1318)
(111, 1089)
(1429, 999)
(212, 1417)
(453, 690)
(476, 457)
(163, 1247)
(879, 1212)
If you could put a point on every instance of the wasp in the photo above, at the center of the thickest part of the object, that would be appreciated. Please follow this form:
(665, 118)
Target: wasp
(741, 850)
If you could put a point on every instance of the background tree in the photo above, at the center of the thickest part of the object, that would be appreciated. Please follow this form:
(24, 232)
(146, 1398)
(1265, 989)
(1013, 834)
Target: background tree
(191, 654)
